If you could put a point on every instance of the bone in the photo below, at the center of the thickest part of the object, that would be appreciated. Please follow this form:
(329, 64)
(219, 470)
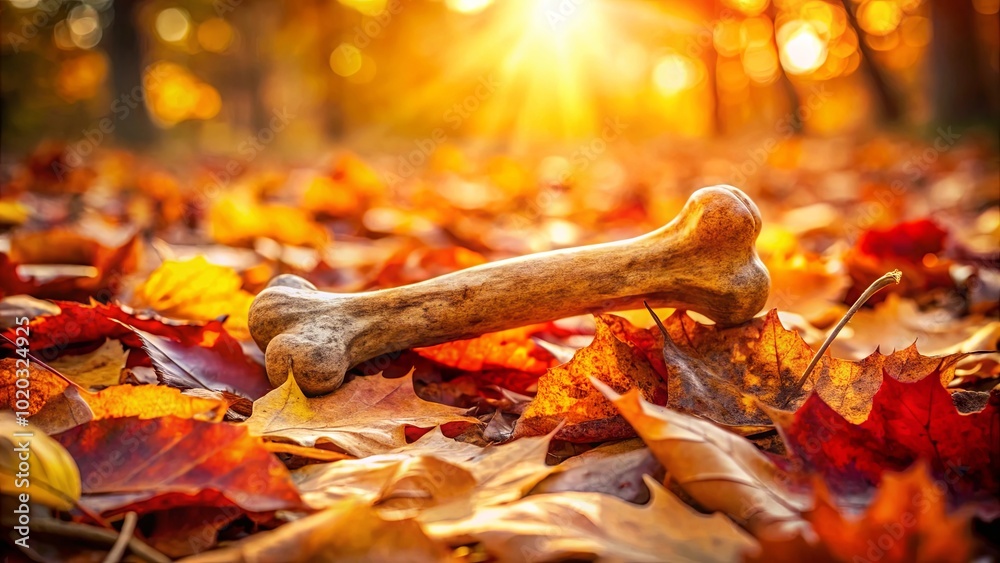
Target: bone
(704, 260)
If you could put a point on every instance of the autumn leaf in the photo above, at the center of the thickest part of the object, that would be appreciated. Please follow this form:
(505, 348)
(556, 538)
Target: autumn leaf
(719, 470)
(60, 254)
(915, 247)
(897, 323)
(615, 468)
(197, 290)
(348, 531)
(553, 527)
(170, 462)
(564, 392)
(100, 368)
(366, 416)
(324, 485)
(44, 386)
(217, 363)
(79, 324)
(74, 407)
(725, 374)
(909, 421)
(51, 477)
(435, 472)
(505, 350)
(906, 521)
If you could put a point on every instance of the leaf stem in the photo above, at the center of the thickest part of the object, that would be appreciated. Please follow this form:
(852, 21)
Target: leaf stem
(888, 278)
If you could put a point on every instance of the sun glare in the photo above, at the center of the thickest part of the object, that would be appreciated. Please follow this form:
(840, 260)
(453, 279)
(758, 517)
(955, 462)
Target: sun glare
(802, 48)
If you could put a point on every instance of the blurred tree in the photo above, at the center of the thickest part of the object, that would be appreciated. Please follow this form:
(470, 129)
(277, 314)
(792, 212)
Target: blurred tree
(958, 86)
(125, 49)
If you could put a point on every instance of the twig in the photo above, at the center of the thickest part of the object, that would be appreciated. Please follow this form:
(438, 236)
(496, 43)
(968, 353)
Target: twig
(128, 528)
(83, 532)
(886, 279)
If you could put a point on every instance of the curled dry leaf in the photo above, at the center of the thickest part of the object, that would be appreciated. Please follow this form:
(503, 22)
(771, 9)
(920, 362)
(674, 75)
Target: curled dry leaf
(170, 462)
(565, 394)
(906, 522)
(366, 416)
(616, 469)
(434, 472)
(347, 531)
(908, 421)
(52, 477)
(216, 363)
(197, 290)
(719, 470)
(78, 324)
(572, 525)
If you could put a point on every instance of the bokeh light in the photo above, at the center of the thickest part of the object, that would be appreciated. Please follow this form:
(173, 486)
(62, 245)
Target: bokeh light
(215, 35)
(346, 59)
(468, 6)
(674, 73)
(880, 17)
(173, 25)
(802, 48)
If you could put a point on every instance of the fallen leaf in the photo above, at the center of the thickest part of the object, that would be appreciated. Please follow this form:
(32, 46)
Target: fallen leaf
(917, 248)
(48, 475)
(323, 485)
(366, 416)
(74, 408)
(171, 462)
(197, 290)
(79, 324)
(906, 521)
(99, 368)
(897, 323)
(616, 469)
(719, 470)
(437, 477)
(908, 421)
(44, 386)
(103, 267)
(565, 394)
(509, 349)
(571, 525)
(216, 363)
(348, 531)
(726, 374)
(16, 307)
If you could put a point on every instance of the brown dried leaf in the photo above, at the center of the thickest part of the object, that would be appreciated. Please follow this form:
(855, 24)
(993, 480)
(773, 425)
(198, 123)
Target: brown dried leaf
(719, 470)
(555, 527)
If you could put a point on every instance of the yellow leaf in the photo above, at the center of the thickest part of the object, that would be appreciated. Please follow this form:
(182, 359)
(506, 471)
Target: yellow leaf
(36, 465)
(366, 416)
(197, 290)
(100, 368)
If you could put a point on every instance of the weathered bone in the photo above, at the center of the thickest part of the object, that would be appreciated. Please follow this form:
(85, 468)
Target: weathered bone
(704, 260)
